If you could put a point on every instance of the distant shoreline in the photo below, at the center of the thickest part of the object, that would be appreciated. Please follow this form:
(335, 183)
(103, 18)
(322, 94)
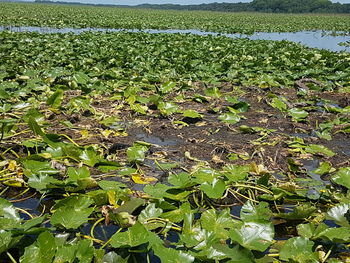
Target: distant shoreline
(281, 6)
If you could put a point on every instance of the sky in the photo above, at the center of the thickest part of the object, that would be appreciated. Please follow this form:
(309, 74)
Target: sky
(182, 2)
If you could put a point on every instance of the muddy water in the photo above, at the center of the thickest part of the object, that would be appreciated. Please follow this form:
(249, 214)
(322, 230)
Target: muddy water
(156, 140)
(313, 39)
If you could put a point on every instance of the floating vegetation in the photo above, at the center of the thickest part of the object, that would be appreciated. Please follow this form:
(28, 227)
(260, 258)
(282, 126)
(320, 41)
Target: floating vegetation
(51, 15)
(136, 147)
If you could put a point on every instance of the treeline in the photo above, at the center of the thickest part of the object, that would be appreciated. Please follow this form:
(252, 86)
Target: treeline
(267, 6)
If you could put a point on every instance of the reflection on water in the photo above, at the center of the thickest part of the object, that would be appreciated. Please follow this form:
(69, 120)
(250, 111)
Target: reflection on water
(313, 39)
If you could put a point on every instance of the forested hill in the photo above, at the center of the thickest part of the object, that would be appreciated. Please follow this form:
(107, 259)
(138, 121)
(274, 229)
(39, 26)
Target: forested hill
(270, 6)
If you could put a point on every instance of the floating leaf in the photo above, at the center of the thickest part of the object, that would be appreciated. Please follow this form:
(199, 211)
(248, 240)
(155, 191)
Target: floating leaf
(5, 240)
(136, 154)
(192, 114)
(181, 180)
(213, 92)
(252, 235)
(43, 182)
(177, 215)
(235, 173)
(230, 118)
(112, 257)
(158, 190)
(299, 249)
(167, 108)
(89, 157)
(149, 212)
(240, 106)
(237, 254)
(342, 177)
(134, 236)
(298, 114)
(339, 214)
(111, 185)
(72, 212)
(299, 212)
(167, 87)
(171, 255)
(214, 189)
(279, 103)
(141, 179)
(219, 223)
(336, 235)
(324, 168)
(55, 99)
(255, 213)
(43, 250)
(319, 149)
(9, 217)
(75, 174)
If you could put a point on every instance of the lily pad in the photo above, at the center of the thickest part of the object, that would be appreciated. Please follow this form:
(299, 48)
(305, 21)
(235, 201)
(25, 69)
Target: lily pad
(252, 235)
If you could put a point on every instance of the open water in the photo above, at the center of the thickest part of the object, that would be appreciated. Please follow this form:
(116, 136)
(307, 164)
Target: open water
(312, 39)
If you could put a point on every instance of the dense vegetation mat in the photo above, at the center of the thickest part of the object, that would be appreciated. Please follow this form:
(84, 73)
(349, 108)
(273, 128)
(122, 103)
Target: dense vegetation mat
(51, 15)
(129, 147)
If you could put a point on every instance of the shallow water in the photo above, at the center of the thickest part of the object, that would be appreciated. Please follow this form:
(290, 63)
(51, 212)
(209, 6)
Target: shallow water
(156, 140)
(313, 39)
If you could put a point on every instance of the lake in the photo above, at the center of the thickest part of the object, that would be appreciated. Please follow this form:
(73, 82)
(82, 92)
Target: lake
(312, 39)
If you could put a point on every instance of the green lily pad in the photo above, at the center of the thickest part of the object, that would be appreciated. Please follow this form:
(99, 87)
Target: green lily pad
(149, 212)
(215, 189)
(89, 157)
(136, 154)
(219, 223)
(319, 149)
(177, 215)
(5, 240)
(55, 99)
(112, 257)
(279, 103)
(299, 249)
(340, 214)
(167, 108)
(134, 236)
(230, 118)
(42, 251)
(72, 212)
(235, 173)
(253, 235)
(192, 114)
(171, 255)
(298, 114)
(299, 212)
(255, 213)
(342, 177)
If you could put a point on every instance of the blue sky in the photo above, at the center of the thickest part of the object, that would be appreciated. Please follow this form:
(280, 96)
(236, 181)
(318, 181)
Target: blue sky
(182, 2)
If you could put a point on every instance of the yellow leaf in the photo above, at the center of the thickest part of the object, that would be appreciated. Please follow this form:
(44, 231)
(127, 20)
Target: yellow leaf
(84, 134)
(56, 111)
(106, 133)
(120, 133)
(111, 198)
(45, 155)
(141, 122)
(16, 182)
(140, 179)
(12, 165)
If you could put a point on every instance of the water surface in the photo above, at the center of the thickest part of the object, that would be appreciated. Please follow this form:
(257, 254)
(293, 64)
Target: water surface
(313, 39)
